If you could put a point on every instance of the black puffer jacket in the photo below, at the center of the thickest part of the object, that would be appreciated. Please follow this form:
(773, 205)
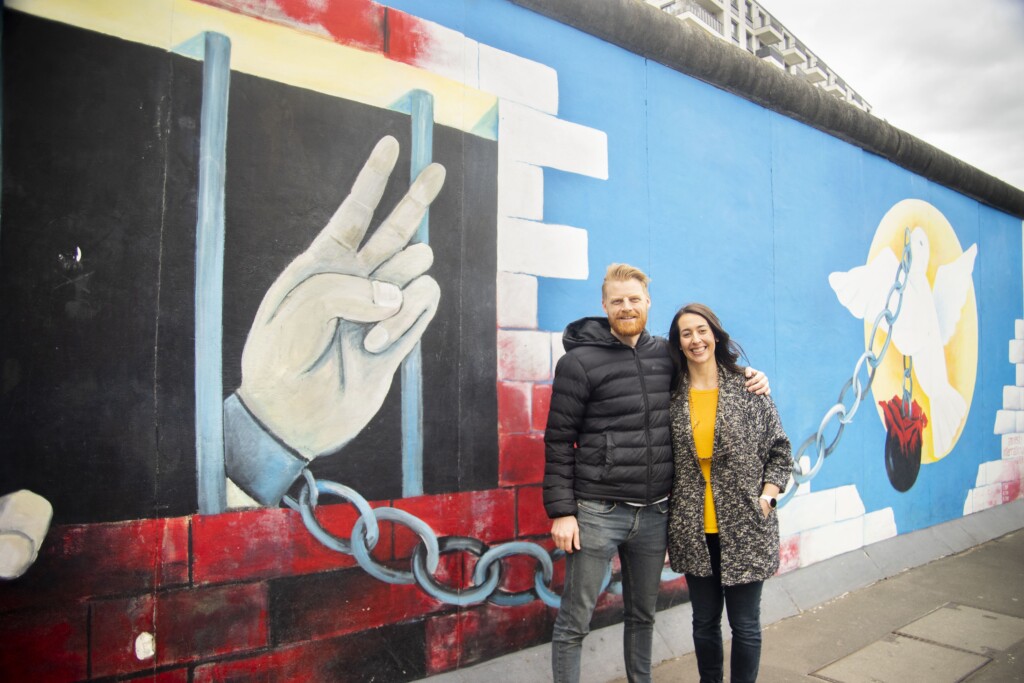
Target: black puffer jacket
(608, 435)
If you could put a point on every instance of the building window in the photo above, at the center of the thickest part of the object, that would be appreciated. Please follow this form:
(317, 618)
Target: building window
(736, 31)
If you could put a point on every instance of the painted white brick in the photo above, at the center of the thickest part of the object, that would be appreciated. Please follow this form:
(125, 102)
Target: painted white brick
(808, 512)
(557, 347)
(524, 355)
(879, 525)
(516, 78)
(1018, 416)
(1018, 329)
(1017, 351)
(543, 140)
(985, 497)
(997, 471)
(520, 189)
(1006, 422)
(451, 54)
(848, 503)
(1020, 375)
(542, 249)
(1013, 445)
(517, 301)
(828, 541)
(1013, 398)
(969, 503)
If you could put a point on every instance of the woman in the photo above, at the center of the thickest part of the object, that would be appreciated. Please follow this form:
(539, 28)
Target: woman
(731, 461)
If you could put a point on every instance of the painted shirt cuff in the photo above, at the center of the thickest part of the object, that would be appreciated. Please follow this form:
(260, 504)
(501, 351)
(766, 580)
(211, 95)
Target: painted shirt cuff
(255, 460)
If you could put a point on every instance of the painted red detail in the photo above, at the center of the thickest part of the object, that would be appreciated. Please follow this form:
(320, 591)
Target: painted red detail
(359, 23)
(93, 560)
(520, 459)
(531, 519)
(541, 406)
(471, 636)
(1011, 491)
(48, 645)
(188, 625)
(513, 407)
(485, 515)
(267, 543)
(789, 554)
(907, 429)
(408, 38)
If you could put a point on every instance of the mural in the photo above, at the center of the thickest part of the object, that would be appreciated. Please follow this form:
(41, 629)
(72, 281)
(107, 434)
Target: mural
(288, 281)
(926, 300)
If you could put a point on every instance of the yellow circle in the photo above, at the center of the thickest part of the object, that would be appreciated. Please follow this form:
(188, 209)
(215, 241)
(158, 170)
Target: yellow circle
(962, 349)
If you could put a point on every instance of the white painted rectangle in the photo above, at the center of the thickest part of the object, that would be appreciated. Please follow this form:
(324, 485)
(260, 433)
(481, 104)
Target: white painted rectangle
(802, 513)
(848, 503)
(524, 355)
(520, 189)
(1006, 422)
(1016, 351)
(517, 301)
(518, 79)
(879, 525)
(1013, 398)
(1012, 445)
(542, 249)
(543, 140)
(828, 541)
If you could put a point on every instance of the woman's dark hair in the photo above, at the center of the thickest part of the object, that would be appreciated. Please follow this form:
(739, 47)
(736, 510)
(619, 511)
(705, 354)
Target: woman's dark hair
(727, 351)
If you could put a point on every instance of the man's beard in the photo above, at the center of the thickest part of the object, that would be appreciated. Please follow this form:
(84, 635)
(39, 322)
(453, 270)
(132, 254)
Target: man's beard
(629, 328)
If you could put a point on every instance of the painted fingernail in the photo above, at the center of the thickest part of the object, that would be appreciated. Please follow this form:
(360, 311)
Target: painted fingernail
(386, 294)
(377, 339)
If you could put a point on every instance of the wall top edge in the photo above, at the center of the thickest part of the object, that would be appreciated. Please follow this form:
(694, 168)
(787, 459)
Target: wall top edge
(650, 33)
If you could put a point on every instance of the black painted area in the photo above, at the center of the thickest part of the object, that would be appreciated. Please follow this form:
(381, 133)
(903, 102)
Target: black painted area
(101, 153)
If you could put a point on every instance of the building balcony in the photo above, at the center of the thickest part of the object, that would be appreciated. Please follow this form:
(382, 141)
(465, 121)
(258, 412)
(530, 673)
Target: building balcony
(794, 54)
(814, 74)
(768, 33)
(835, 88)
(772, 55)
(697, 15)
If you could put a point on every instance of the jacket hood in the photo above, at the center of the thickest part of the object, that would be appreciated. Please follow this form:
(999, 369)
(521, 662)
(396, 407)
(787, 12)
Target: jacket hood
(594, 331)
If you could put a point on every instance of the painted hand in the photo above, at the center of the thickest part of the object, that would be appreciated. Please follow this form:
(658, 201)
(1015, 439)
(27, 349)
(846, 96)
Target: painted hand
(333, 328)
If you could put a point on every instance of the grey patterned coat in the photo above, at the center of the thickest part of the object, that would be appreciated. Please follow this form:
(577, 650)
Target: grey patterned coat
(750, 449)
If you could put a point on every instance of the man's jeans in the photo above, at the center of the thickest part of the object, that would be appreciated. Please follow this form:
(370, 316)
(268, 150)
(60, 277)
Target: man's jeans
(743, 605)
(639, 535)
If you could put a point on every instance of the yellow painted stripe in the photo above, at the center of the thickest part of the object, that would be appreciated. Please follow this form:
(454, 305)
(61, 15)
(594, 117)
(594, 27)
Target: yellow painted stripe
(271, 51)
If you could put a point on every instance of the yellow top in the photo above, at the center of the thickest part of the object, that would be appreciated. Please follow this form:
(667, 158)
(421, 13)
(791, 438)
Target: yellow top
(703, 409)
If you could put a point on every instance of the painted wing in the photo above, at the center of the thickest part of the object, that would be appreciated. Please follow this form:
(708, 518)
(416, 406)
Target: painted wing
(952, 283)
(862, 290)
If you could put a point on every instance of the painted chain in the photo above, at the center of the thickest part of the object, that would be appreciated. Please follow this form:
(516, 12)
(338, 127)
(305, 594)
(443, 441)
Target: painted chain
(487, 576)
(839, 411)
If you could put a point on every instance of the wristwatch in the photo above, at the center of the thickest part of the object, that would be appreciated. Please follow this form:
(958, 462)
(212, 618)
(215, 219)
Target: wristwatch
(772, 501)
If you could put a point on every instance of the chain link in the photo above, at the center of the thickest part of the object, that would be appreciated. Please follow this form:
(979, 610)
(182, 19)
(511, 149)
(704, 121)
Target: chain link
(840, 411)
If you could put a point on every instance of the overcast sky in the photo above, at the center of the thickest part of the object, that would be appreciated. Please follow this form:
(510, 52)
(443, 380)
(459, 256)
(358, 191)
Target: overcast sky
(948, 72)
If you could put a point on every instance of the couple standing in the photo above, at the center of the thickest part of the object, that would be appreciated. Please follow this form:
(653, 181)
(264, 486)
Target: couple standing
(652, 443)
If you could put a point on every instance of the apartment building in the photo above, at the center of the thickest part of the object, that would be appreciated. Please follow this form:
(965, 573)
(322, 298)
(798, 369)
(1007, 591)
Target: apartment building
(749, 26)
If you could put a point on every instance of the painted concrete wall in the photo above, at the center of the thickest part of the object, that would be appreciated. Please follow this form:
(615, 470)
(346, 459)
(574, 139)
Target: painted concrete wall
(192, 321)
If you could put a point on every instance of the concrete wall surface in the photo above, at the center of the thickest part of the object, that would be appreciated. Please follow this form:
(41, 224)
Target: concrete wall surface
(283, 285)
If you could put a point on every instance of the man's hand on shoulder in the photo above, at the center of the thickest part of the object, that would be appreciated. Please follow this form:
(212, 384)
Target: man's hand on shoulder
(565, 532)
(757, 382)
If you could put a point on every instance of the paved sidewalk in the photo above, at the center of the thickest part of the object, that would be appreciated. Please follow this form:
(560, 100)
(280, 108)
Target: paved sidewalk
(960, 618)
(940, 604)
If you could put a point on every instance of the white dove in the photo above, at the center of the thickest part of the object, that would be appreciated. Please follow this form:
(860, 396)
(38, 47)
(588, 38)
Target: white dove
(926, 322)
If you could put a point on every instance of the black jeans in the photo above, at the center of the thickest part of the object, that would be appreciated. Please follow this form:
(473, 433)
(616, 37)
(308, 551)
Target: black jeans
(743, 605)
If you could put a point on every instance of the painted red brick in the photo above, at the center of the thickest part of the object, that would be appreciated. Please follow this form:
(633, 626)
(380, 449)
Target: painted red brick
(188, 624)
(531, 520)
(359, 23)
(488, 516)
(514, 407)
(541, 406)
(172, 676)
(471, 636)
(340, 603)
(520, 459)
(95, 560)
(45, 645)
(349, 658)
(268, 543)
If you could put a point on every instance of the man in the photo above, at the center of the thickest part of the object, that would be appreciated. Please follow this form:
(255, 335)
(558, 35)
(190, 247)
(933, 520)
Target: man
(608, 470)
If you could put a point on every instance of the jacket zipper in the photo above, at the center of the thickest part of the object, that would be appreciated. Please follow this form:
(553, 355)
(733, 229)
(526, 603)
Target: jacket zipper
(647, 421)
